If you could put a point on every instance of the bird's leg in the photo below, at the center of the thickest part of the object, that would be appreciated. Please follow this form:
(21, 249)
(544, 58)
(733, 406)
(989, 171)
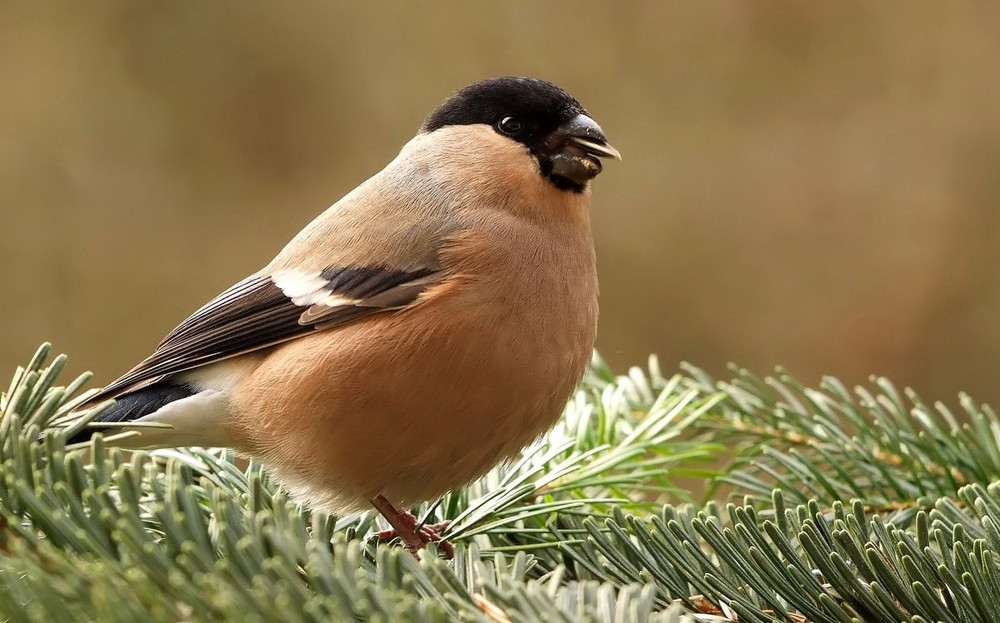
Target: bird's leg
(404, 526)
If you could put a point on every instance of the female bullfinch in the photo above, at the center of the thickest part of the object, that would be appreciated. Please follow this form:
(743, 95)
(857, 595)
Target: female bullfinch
(428, 325)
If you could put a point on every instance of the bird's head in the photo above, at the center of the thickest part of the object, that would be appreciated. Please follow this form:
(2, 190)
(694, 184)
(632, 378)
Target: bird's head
(548, 122)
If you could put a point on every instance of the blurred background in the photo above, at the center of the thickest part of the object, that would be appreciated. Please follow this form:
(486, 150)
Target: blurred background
(814, 185)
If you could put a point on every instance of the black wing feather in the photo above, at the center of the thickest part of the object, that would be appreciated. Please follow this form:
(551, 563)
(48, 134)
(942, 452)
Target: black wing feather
(255, 313)
(252, 294)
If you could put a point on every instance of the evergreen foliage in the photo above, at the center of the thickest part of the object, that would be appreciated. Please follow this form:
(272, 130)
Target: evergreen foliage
(827, 505)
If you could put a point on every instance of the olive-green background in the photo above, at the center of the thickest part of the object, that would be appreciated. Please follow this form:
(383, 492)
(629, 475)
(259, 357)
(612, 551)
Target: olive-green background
(813, 184)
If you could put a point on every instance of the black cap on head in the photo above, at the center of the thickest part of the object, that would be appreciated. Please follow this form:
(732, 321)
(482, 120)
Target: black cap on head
(538, 106)
(550, 122)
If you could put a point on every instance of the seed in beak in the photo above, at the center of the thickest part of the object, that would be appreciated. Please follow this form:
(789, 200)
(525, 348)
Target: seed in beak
(596, 148)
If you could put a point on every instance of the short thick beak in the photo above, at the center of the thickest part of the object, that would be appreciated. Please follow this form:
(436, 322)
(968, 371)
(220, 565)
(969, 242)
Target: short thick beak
(575, 150)
(585, 132)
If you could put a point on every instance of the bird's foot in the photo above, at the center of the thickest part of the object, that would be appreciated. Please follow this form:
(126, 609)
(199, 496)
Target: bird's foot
(404, 526)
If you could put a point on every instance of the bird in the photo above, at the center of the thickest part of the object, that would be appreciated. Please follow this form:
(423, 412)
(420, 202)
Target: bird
(428, 325)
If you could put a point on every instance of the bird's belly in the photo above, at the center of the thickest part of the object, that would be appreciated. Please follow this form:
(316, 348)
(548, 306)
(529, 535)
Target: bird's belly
(391, 408)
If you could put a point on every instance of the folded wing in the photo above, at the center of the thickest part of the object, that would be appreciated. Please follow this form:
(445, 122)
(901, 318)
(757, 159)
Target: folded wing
(265, 310)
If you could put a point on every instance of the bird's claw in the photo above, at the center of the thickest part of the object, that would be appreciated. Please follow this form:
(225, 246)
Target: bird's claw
(419, 537)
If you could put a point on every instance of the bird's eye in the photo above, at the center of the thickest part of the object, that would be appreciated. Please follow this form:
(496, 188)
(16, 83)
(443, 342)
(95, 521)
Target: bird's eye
(510, 126)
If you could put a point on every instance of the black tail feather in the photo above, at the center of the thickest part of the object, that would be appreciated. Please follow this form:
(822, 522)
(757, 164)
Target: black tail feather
(135, 405)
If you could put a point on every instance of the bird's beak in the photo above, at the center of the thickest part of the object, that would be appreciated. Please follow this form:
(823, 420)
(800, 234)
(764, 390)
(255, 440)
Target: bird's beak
(597, 148)
(576, 148)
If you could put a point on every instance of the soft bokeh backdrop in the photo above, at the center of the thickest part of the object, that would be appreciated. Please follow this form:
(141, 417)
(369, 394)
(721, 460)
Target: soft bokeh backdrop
(808, 184)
